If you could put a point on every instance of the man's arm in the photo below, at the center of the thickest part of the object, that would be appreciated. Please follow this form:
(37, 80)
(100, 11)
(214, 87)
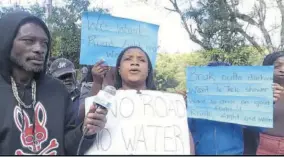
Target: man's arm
(73, 134)
(96, 87)
(85, 92)
(90, 89)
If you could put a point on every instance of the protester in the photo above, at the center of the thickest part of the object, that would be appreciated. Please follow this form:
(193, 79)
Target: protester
(84, 72)
(134, 71)
(251, 140)
(218, 138)
(64, 70)
(271, 142)
(36, 110)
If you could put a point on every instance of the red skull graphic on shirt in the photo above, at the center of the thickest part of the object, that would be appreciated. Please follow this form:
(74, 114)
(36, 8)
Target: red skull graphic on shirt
(33, 137)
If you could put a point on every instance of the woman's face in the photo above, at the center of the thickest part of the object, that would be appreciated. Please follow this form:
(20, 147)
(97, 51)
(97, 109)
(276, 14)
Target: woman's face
(279, 71)
(134, 67)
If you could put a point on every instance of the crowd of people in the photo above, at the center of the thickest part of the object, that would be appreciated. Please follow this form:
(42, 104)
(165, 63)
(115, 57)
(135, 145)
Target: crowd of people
(43, 111)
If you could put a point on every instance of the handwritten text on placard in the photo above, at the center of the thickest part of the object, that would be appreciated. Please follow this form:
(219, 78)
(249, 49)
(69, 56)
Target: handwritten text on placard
(148, 123)
(234, 94)
(104, 37)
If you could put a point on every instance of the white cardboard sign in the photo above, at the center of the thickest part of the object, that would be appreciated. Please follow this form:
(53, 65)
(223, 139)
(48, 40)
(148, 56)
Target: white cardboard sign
(148, 123)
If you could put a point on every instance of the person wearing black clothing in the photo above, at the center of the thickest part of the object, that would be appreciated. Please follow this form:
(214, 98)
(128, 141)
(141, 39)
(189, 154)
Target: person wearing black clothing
(36, 110)
(251, 140)
(64, 70)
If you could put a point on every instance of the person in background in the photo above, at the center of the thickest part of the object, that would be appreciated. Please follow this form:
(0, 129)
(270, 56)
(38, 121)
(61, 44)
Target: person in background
(251, 140)
(36, 109)
(271, 142)
(64, 70)
(220, 138)
(97, 78)
(84, 72)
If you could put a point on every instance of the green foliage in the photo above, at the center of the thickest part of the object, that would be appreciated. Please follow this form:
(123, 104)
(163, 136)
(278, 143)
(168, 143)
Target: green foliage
(215, 25)
(170, 68)
(64, 25)
(35, 10)
(240, 56)
(65, 30)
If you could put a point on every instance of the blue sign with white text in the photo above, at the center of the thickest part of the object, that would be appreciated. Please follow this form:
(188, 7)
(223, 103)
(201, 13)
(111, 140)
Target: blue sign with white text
(232, 94)
(104, 36)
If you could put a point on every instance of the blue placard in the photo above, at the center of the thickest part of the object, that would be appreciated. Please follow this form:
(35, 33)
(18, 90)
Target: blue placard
(104, 37)
(233, 94)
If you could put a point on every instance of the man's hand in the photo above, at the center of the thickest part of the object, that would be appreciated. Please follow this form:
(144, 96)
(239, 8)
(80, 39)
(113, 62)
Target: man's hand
(277, 90)
(95, 120)
(98, 71)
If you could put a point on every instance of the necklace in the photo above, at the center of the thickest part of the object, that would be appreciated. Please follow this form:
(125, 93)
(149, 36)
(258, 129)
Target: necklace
(16, 94)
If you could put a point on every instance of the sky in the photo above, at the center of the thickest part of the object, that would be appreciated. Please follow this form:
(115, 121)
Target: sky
(172, 36)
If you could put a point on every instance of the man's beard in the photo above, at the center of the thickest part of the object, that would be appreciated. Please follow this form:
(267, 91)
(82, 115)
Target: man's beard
(22, 64)
(69, 84)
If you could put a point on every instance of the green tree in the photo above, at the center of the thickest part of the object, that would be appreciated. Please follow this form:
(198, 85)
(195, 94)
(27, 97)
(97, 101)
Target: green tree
(170, 74)
(223, 17)
(165, 72)
(246, 55)
(65, 29)
(35, 10)
(64, 24)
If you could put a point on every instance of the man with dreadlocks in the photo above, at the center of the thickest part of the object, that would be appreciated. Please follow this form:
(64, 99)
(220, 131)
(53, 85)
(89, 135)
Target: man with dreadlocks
(271, 142)
(36, 114)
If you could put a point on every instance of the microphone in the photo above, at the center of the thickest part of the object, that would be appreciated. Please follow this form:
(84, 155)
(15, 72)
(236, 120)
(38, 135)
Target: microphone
(105, 97)
(103, 100)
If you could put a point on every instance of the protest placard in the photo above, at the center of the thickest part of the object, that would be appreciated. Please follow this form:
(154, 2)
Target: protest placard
(150, 123)
(104, 36)
(233, 94)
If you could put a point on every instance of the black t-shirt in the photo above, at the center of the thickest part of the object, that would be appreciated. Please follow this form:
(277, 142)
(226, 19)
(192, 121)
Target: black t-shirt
(47, 129)
(251, 139)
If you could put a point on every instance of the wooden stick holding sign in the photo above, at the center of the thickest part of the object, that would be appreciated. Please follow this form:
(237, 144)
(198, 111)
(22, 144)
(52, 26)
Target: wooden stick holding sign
(150, 123)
